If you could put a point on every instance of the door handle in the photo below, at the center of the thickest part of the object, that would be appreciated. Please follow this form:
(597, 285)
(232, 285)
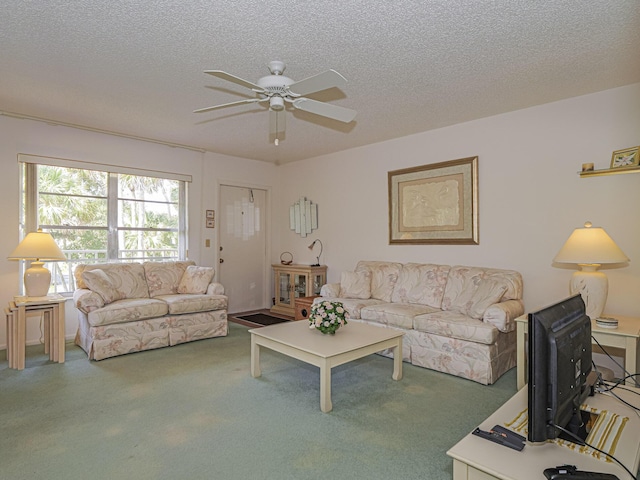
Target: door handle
(221, 260)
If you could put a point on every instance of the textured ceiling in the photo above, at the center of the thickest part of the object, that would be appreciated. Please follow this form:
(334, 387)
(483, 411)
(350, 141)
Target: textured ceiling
(137, 67)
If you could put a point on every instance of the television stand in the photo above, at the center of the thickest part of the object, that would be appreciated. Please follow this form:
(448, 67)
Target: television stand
(475, 458)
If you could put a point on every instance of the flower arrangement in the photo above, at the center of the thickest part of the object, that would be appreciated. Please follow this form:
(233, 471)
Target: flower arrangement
(328, 316)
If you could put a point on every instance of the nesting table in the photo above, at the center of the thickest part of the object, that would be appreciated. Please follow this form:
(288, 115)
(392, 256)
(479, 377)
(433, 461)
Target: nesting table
(353, 341)
(51, 307)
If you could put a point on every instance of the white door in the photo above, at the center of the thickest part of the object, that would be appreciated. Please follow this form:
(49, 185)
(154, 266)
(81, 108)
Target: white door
(243, 253)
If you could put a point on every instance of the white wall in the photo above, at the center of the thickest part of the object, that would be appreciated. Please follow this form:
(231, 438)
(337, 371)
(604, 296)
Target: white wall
(530, 195)
(37, 138)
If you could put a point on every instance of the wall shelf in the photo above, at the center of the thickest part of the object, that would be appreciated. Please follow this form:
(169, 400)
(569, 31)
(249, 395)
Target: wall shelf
(610, 171)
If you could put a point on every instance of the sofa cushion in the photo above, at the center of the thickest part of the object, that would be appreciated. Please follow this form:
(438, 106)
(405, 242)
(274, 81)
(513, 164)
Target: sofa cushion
(456, 325)
(99, 282)
(163, 278)
(195, 279)
(128, 278)
(128, 310)
(478, 295)
(384, 276)
(395, 314)
(188, 303)
(355, 285)
(421, 283)
(464, 281)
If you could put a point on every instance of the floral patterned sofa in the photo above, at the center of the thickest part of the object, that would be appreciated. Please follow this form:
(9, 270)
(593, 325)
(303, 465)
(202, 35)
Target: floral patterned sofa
(130, 307)
(459, 320)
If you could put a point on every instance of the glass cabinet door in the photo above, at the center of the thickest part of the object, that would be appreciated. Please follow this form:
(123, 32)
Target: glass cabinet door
(300, 282)
(284, 287)
(318, 281)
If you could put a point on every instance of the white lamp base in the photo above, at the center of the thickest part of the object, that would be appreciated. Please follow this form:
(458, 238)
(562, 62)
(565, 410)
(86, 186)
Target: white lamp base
(37, 280)
(593, 286)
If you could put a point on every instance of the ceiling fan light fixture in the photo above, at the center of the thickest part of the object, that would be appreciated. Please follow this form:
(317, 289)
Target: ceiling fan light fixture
(276, 103)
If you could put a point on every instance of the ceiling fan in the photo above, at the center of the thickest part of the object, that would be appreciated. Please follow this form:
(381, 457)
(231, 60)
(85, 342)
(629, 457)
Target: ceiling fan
(277, 90)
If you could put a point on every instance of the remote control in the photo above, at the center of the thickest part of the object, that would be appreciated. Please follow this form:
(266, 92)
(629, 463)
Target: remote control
(570, 472)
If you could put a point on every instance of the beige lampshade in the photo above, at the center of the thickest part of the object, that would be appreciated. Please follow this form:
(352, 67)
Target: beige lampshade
(37, 246)
(590, 246)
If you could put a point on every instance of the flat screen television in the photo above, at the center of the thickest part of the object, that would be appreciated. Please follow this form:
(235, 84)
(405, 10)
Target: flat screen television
(559, 365)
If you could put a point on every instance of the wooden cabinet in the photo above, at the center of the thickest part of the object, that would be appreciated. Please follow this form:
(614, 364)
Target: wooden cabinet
(295, 281)
(303, 307)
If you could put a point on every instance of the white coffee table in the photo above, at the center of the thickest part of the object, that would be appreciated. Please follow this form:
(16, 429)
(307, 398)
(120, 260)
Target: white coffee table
(353, 341)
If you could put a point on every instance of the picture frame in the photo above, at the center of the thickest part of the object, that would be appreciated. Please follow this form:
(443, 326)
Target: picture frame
(210, 219)
(629, 157)
(435, 204)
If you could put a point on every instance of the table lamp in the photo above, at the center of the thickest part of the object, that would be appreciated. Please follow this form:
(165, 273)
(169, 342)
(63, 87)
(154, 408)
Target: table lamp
(37, 246)
(589, 247)
(310, 247)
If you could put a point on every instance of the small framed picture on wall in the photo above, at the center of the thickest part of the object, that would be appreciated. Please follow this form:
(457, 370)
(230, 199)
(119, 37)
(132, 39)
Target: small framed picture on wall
(629, 157)
(210, 219)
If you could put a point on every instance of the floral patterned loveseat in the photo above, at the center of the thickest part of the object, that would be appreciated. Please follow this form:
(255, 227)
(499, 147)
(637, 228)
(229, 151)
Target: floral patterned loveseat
(456, 319)
(130, 307)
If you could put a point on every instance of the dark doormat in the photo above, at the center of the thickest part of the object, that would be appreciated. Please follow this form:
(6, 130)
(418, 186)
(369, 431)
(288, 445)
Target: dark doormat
(263, 319)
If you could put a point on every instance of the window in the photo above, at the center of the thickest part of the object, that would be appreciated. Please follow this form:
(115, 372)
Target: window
(99, 216)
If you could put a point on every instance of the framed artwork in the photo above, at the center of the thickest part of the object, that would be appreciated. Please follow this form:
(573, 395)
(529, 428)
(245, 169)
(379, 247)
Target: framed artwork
(211, 214)
(629, 157)
(436, 204)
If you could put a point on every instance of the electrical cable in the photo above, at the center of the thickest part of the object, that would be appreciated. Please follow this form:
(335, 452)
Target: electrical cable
(629, 375)
(579, 441)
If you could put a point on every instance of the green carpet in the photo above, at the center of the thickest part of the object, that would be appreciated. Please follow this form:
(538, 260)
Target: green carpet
(193, 411)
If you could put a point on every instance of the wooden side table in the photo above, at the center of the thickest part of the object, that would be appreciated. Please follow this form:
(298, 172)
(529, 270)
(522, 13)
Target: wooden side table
(52, 309)
(626, 336)
(303, 307)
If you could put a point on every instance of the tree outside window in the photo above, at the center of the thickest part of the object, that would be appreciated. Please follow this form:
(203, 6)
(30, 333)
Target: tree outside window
(99, 216)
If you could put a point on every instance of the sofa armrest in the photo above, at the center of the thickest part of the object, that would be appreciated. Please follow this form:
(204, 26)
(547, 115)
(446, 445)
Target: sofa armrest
(215, 288)
(87, 300)
(330, 290)
(502, 315)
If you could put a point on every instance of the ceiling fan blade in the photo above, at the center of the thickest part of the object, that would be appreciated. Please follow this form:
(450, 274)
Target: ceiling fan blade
(277, 121)
(234, 79)
(317, 83)
(325, 109)
(232, 104)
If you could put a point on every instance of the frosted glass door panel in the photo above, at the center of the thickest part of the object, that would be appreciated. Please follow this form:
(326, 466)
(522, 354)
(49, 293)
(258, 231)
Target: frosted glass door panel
(241, 222)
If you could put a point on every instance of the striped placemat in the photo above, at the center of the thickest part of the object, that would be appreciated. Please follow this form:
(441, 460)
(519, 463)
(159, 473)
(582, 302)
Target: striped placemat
(604, 432)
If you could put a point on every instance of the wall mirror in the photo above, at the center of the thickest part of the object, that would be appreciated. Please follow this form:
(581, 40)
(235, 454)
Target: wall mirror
(303, 217)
